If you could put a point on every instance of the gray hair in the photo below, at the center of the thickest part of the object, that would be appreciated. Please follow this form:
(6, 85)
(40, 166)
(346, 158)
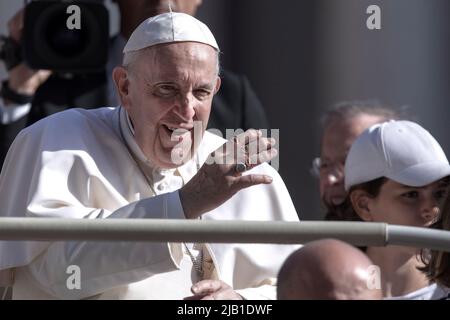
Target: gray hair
(350, 109)
(131, 58)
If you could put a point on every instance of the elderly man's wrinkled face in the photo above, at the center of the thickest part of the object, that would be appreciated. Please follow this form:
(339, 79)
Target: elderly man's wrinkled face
(168, 90)
(336, 142)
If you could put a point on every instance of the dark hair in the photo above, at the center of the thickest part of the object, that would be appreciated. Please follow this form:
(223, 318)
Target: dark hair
(437, 263)
(350, 109)
(345, 211)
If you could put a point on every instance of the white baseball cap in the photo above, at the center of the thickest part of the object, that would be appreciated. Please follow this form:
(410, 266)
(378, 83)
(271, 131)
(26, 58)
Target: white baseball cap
(168, 28)
(402, 151)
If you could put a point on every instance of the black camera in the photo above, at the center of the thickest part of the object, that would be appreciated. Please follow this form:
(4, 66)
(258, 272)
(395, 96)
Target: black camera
(10, 52)
(64, 36)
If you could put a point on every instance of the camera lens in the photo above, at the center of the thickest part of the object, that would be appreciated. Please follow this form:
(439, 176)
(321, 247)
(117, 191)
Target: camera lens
(62, 41)
(53, 41)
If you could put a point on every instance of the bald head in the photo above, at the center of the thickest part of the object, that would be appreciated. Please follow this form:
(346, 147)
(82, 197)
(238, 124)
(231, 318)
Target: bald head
(327, 269)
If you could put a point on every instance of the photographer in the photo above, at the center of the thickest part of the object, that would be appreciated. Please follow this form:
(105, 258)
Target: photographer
(17, 91)
(39, 38)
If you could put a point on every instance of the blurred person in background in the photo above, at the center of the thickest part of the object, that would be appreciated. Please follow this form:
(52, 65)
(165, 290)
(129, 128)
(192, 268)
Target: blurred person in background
(342, 124)
(327, 270)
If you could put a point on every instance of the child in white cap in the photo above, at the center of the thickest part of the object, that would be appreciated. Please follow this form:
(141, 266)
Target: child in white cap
(397, 173)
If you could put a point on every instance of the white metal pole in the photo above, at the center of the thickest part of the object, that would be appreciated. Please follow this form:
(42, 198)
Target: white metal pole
(224, 231)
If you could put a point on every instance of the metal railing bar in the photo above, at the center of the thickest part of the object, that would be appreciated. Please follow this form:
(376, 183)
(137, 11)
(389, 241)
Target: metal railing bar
(224, 231)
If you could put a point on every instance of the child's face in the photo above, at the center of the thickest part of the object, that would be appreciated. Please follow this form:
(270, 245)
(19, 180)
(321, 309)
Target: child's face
(404, 205)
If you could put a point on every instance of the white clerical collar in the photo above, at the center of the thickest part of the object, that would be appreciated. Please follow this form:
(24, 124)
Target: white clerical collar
(186, 171)
(130, 125)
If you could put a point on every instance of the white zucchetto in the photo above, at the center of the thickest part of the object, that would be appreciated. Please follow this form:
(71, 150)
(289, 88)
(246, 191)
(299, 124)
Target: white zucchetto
(168, 28)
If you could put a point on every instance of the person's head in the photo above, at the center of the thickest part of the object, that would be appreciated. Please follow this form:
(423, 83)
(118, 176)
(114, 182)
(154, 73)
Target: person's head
(437, 264)
(169, 77)
(341, 125)
(397, 173)
(327, 269)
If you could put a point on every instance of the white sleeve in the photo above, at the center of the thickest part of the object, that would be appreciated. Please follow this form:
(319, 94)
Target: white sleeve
(105, 265)
(265, 292)
(58, 184)
(12, 112)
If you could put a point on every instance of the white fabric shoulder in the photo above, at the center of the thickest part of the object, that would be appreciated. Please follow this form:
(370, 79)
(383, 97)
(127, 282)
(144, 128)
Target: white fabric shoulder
(10, 113)
(431, 292)
(70, 165)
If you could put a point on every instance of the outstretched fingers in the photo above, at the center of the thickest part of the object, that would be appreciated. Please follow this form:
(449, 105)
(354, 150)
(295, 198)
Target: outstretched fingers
(249, 180)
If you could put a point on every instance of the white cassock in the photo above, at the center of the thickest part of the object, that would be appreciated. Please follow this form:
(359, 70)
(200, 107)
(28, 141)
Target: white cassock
(85, 164)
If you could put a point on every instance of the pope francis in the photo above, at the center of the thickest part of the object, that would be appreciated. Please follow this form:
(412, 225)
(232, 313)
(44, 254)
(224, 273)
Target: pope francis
(149, 158)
